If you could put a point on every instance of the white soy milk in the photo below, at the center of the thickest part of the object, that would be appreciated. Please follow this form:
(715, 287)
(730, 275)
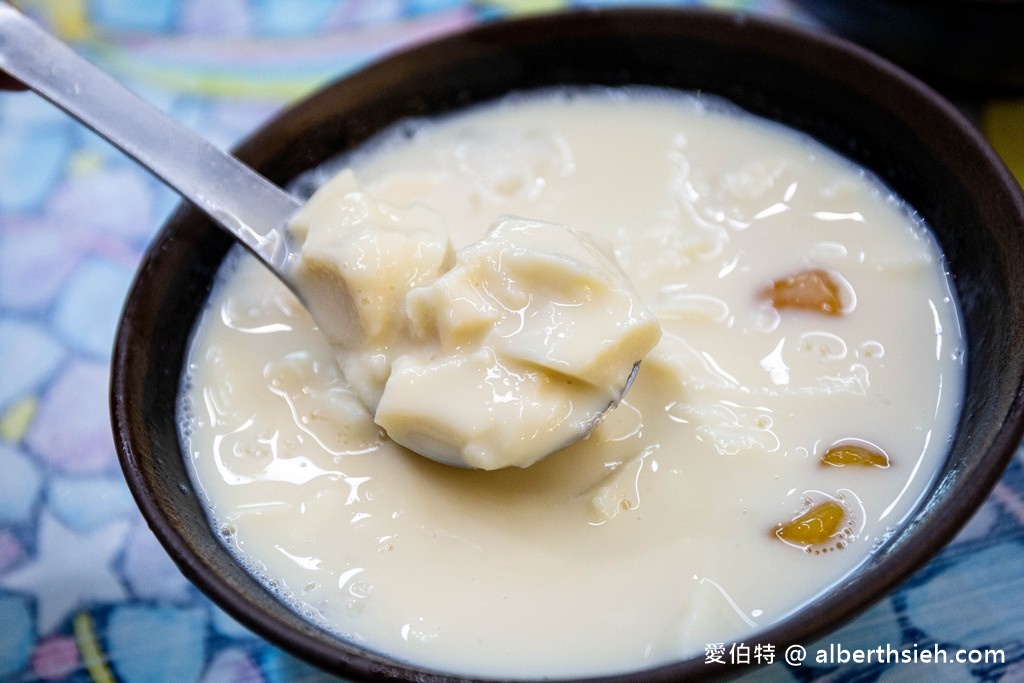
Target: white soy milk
(653, 537)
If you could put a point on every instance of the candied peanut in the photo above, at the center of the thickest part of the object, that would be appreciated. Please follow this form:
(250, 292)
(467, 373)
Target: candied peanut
(811, 290)
(815, 526)
(851, 454)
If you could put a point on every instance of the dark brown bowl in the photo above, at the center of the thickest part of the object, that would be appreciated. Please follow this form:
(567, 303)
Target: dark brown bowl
(847, 98)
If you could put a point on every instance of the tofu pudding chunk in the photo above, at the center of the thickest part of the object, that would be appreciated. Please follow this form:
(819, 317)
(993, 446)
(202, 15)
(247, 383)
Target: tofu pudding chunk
(358, 259)
(793, 412)
(532, 336)
(491, 357)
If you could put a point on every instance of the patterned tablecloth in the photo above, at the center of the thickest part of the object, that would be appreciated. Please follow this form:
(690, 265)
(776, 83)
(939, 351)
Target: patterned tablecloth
(86, 593)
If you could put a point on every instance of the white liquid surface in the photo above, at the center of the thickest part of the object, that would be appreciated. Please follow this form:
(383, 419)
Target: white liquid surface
(653, 537)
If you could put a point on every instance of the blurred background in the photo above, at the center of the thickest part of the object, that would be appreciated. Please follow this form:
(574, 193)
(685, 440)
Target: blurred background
(86, 593)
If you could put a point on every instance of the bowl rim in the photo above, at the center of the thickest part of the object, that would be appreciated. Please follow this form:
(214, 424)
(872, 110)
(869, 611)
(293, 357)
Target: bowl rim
(823, 614)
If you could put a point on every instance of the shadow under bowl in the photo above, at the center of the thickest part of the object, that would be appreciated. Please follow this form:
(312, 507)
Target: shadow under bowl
(845, 97)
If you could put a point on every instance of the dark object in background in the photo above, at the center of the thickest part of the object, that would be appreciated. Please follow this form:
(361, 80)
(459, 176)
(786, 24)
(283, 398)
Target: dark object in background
(8, 82)
(964, 47)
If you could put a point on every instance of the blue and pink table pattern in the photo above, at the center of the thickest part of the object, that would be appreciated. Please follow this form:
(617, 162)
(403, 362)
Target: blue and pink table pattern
(86, 592)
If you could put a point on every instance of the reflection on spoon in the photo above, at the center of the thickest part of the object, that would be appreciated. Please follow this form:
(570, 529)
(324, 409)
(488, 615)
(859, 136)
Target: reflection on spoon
(250, 208)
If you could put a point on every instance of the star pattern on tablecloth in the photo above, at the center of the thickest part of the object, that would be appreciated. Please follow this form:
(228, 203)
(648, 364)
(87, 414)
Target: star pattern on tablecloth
(69, 570)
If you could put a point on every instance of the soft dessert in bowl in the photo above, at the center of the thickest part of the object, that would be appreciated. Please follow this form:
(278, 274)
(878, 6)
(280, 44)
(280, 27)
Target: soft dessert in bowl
(831, 393)
(774, 272)
(532, 332)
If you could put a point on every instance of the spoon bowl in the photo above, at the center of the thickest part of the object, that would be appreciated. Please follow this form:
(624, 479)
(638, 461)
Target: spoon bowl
(249, 208)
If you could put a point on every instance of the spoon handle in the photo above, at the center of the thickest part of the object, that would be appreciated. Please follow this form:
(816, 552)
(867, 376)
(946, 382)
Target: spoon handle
(240, 200)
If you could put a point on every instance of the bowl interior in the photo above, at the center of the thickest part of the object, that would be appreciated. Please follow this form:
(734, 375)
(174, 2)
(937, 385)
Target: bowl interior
(843, 96)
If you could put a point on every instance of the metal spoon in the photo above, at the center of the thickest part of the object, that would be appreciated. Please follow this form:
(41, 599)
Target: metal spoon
(254, 211)
(251, 208)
